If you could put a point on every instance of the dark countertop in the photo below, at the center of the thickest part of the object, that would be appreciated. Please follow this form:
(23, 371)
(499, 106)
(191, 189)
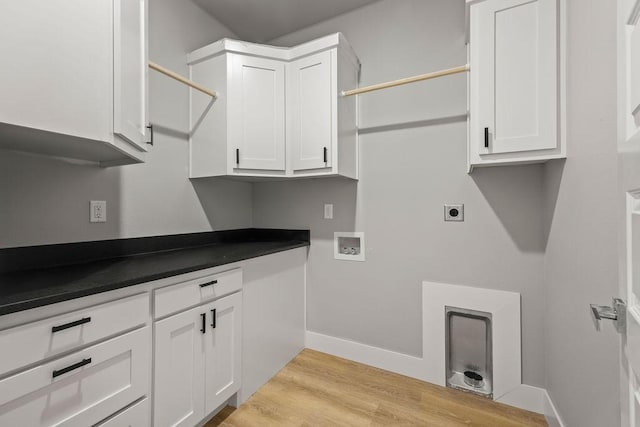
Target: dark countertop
(30, 287)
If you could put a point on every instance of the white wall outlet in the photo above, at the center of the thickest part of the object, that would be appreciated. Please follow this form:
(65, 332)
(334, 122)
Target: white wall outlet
(98, 211)
(328, 211)
(454, 212)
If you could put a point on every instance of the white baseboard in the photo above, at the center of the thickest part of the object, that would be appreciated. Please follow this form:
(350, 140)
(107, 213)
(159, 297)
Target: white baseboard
(399, 363)
(526, 397)
(551, 413)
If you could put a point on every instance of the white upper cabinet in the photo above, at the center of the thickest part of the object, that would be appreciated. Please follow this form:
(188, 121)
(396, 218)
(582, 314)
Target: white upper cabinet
(74, 79)
(279, 112)
(256, 113)
(629, 66)
(515, 96)
(130, 70)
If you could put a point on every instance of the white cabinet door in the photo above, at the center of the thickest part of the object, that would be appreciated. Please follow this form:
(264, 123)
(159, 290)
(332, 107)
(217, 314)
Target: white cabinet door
(223, 350)
(256, 113)
(130, 70)
(311, 111)
(178, 370)
(514, 72)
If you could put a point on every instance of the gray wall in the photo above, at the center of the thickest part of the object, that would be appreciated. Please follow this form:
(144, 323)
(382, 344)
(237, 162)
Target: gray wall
(581, 212)
(47, 201)
(412, 153)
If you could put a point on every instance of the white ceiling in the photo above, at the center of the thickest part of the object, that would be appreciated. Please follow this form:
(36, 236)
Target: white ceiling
(264, 20)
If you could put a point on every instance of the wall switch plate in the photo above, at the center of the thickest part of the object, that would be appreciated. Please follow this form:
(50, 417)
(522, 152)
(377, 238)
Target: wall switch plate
(454, 212)
(328, 211)
(98, 211)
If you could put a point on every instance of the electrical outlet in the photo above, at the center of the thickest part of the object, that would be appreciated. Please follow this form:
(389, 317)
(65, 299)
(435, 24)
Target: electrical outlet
(454, 212)
(98, 211)
(328, 211)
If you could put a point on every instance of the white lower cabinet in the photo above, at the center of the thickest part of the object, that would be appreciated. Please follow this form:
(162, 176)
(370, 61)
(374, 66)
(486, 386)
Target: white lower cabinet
(197, 361)
(80, 389)
(35, 341)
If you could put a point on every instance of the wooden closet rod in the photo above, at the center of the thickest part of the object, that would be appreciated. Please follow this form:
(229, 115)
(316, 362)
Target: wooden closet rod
(435, 74)
(181, 79)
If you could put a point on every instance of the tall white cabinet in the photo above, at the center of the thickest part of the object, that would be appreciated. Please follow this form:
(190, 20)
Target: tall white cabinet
(279, 113)
(74, 79)
(515, 83)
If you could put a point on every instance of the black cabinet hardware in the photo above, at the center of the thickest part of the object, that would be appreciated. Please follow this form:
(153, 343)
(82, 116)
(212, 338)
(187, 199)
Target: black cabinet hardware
(325, 154)
(150, 127)
(213, 318)
(71, 324)
(204, 285)
(238, 156)
(486, 137)
(71, 368)
(204, 322)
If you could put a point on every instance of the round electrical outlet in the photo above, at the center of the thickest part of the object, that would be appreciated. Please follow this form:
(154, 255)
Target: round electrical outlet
(454, 212)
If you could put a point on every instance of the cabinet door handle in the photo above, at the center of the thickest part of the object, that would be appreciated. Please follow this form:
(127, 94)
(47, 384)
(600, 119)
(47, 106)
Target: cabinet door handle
(325, 155)
(213, 318)
(204, 285)
(71, 368)
(486, 137)
(204, 322)
(238, 156)
(70, 324)
(150, 127)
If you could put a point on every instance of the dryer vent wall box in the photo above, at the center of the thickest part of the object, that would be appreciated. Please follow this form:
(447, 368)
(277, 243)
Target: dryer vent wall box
(279, 113)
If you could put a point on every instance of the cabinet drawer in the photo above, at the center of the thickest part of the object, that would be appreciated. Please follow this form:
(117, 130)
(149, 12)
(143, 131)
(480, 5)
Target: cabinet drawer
(39, 340)
(174, 298)
(82, 388)
(137, 415)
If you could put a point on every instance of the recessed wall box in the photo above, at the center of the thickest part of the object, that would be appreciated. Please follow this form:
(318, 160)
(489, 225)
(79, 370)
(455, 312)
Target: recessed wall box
(348, 246)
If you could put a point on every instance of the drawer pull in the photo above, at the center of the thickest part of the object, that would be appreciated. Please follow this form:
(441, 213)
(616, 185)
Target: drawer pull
(204, 322)
(204, 285)
(213, 318)
(70, 324)
(71, 367)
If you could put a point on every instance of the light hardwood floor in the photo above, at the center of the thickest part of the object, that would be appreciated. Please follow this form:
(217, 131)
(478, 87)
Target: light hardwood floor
(316, 389)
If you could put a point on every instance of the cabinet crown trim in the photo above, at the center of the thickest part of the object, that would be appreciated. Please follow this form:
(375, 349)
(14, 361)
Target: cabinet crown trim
(285, 54)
